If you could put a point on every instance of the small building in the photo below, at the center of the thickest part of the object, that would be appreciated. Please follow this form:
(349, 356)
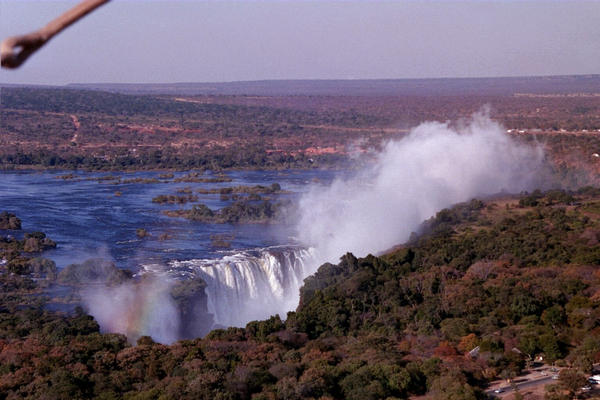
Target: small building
(539, 358)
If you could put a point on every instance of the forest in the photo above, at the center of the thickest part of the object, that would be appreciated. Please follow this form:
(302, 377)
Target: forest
(479, 293)
(514, 277)
(70, 128)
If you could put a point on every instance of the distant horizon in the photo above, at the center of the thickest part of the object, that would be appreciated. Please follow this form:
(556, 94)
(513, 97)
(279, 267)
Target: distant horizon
(302, 80)
(588, 84)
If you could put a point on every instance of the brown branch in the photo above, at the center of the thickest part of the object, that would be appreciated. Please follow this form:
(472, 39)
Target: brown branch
(16, 49)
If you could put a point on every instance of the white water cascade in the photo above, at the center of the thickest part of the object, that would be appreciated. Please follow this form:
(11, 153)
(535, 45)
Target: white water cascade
(251, 285)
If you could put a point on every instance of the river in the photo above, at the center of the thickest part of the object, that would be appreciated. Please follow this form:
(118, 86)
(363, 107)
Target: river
(93, 215)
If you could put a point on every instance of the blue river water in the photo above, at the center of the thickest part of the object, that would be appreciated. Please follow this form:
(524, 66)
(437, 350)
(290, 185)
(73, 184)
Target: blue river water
(90, 218)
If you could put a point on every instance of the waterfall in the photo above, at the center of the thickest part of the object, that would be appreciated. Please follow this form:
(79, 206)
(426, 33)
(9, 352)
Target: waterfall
(253, 284)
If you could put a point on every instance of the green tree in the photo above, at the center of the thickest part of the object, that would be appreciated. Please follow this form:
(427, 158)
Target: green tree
(571, 380)
(550, 346)
(586, 354)
(554, 316)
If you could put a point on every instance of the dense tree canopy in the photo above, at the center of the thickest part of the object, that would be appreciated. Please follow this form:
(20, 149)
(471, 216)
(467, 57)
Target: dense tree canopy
(508, 276)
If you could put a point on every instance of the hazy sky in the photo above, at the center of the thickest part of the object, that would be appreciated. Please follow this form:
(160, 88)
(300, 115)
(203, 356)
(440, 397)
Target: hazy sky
(199, 41)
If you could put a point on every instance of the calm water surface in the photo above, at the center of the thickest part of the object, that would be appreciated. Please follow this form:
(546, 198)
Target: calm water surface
(87, 219)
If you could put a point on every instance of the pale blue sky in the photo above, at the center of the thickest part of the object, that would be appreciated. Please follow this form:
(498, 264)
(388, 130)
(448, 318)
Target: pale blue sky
(216, 41)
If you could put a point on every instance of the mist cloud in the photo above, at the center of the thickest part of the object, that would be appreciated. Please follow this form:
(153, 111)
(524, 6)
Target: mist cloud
(433, 167)
(135, 309)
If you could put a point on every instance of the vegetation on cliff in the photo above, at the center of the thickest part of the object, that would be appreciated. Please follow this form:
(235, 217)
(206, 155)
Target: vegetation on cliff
(511, 278)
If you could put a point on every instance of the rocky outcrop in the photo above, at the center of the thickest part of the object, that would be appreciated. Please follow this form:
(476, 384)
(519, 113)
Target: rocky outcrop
(192, 304)
(93, 271)
(9, 221)
(39, 268)
(36, 242)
